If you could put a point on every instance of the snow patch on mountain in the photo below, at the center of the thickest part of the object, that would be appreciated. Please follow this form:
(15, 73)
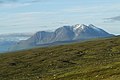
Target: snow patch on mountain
(78, 26)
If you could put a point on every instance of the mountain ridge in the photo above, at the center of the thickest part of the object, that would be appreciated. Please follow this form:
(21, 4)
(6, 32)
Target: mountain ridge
(65, 33)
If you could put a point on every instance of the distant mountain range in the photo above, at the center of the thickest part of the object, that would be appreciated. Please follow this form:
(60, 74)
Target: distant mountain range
(9, 40)
(62, 35)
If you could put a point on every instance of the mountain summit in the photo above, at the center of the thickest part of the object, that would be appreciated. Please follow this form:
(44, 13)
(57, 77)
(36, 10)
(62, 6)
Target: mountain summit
(63, 34)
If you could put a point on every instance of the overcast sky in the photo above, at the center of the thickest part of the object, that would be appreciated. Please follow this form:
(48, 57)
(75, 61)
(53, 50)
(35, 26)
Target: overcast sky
(17, 16)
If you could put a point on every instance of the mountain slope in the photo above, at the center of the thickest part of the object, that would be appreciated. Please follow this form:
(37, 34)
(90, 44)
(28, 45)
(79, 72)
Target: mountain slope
(8, 40)
(90, 31)
(65, 33)
(92, 60)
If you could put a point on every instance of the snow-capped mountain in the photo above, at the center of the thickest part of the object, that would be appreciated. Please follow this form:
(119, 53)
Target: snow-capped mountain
(63, 34)
(88, 32)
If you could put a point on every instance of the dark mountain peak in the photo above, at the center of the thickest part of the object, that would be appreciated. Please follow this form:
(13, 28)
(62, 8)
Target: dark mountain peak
(83, 25)
(41, 31)
(91, 25)
(66, 27)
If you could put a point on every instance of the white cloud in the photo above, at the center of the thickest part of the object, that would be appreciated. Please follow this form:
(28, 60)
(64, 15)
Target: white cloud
(93, 8)
(17, 3)
(14, 5)
(30, 21)
(112, 19)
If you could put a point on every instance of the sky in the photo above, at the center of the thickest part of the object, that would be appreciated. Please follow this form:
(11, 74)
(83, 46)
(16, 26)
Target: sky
(19, 16)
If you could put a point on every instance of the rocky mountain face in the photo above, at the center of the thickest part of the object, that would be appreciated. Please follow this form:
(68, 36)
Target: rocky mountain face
(66, 33)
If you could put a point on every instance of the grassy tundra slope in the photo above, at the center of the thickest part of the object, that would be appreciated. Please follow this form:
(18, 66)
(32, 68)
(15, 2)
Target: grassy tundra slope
(91, 60)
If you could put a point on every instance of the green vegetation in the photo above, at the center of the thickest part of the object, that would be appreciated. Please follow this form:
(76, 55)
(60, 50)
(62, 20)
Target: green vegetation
(91, 60)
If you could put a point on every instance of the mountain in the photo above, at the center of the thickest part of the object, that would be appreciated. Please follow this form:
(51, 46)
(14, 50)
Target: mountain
(5, 45)
(91, 60)
(8, 40)
(62, 34)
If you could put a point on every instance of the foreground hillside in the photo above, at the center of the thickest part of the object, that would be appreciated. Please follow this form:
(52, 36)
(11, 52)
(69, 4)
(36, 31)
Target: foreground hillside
(92, 60)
